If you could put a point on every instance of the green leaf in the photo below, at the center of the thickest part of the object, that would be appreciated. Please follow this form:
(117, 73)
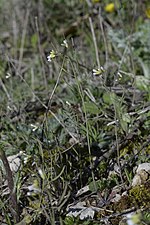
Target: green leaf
(124, 125)
(109, 98)
(90, 107)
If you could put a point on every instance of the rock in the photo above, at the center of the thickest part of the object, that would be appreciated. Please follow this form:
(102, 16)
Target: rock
(142, 174)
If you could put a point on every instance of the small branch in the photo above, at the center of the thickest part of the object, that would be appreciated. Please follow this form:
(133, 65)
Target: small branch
(9, 176)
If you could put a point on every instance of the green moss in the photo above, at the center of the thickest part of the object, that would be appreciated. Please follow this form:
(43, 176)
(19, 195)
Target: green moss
(140, 195)
(129, 148)
(102, 167)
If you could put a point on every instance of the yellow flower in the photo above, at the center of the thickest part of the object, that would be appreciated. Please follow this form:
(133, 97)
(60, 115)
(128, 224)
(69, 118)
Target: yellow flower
(110, 7)
(148, 12)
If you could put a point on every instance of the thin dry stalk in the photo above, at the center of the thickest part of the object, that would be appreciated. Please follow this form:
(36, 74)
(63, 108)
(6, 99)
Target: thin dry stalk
(23, 39)
(95, 42)
(103, 36)
(41, 53)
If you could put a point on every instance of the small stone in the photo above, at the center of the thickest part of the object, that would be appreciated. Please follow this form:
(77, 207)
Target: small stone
(142, 174)
(143, 166)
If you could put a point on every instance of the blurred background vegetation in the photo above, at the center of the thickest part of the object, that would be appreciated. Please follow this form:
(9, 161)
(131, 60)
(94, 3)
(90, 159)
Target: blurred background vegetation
(81, 119)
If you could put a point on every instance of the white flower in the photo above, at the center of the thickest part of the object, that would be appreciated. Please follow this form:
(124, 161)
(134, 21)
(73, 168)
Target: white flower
(119, 75)
(8, 75)
(51, 56)
(65, 44)
(34, 127)
(26, 159)
(98, 71)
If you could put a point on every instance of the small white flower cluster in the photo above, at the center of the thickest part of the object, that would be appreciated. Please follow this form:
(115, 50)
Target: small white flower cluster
(98, 72)
(51, 56)
(53, 53)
